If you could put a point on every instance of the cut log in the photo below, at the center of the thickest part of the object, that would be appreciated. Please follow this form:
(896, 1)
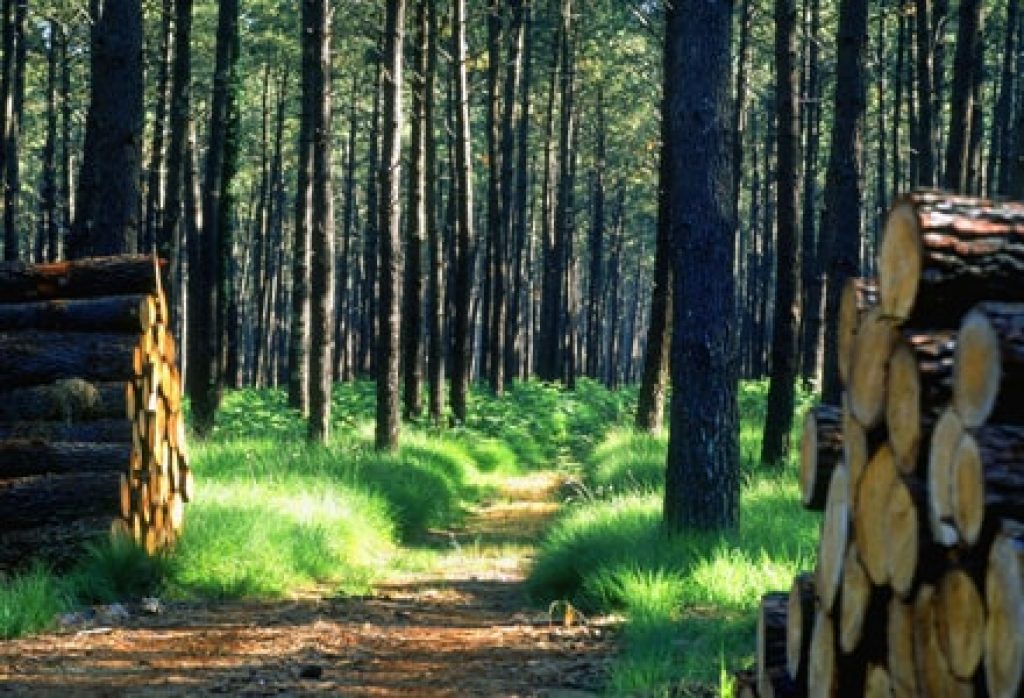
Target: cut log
(900, 649)
(858, 446)
(945, 439)
(1004, 629)
(934, 676)
(821, 449)
(34, 358)
(771, 635)
(869, 520)
(872, 348)
(835, 535)
(913, 557)
(65, 400)
(961, 622)
(84, 278)
(988, 479)
(878, 684)
(989, 365)
(941, 254)
(920, 386)
(99, 431)
(59, 545)
(38, 501)
(132, 313)
(799, 624)
(24, 458)
(853, 605)
(822, 676)
(858, 297)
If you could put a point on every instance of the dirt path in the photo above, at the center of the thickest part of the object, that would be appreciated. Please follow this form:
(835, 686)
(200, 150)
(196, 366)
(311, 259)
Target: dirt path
(462, 628)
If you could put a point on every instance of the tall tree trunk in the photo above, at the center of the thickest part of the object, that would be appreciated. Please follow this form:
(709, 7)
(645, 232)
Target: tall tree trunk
(66, 196)
(435, 296)
(967, 46)
(206, 284)
(842, 219)
(390, 319)
(317, 35)
(999, 165)
(565, 203)
(781, 395)
(924, 131)
(464, 215)
(107, 216)
(416, 222)
(155, 178)
(811, 275)
(549, 332)
(371, 236)
(12, 141)
(597, 233)
(702, 478)
(299, 336)
(49, 228)
(181, 95)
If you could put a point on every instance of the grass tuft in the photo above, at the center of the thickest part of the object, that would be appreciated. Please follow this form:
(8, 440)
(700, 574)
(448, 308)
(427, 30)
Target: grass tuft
(29, 602)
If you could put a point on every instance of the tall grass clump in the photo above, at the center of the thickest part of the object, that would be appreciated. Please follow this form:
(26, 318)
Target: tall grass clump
(627, 460)
(30, 601)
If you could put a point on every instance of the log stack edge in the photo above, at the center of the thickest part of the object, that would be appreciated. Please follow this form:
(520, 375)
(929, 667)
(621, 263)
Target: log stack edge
(92, 434)
(919, 586)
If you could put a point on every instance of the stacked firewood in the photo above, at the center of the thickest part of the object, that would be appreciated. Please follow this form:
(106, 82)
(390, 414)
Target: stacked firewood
(919, 588)
(92, 435)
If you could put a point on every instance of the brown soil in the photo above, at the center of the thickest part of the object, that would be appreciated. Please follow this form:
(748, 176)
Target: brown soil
(463, 628)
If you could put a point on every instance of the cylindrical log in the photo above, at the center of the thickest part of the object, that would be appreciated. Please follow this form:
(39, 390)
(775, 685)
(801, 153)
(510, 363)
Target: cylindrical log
(934, 676)
(854, 601)
(988, 479)
(34, 358)
(913, 557)
(83, 278)
(869, 520)
(129, 313)
(859, 444)
(878, 683)
(989, 365)
(872, 348)
(73, 399)
(1004, 628)
(99, 431)
(59, 544)
(941, 254)
(920, 386)
(961, 621)
(900, 648)
(945, 438)
(858, 296)
(36, 501)
(835, 535)
(799, 624)
(771, 635)
(821, 449)
(822, 677)
(24, 458)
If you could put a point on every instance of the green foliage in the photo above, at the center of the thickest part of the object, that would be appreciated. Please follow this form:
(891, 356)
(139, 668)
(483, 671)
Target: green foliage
(29, 602)
(115, 570)
(626, 461)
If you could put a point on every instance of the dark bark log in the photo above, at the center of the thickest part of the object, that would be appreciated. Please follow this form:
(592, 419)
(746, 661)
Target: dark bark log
(389, 336)
(702, 480)
(102, 431)
(942, 254)
(988, 370)
(67, 400)
(771, 636)
(32, 358)
(775, 445)
(133, 313)
(60, 542)
(821, 452)
(20, 458)
(83, 278)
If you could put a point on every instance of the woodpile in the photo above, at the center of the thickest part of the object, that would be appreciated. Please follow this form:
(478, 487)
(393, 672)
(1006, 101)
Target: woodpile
(92, 435)
(919, 587)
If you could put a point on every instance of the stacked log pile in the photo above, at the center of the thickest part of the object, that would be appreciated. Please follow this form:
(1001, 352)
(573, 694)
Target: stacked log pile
(92, 436)
(919, 588)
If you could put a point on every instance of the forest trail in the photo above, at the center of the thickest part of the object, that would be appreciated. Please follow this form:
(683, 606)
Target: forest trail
(460, 628)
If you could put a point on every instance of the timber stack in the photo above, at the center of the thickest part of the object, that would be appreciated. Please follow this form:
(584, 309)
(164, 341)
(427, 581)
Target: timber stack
(919, 586)
(92, 435)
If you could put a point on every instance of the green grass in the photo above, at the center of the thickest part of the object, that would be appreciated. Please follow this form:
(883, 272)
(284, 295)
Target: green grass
(30, 602)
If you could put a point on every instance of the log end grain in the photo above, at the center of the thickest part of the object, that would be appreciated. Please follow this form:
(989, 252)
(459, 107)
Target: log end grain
(799, 623)
(903, 407)
(961, 616)
(834, 537)
(872, 348)
(900, 648)
(977, 370)
(903, 543)
(968, 490)
(900, 261)
(822, 677)
(945, 439)
(1004, 629)
(876, 486)
(853, 606)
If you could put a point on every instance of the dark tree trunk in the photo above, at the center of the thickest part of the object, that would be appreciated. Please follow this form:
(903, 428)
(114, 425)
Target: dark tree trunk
(317, 35)
(390, 319)
(371, 242)
(11, 251)
(181, 94)
(967, 46)
(49, 227)
(66, 166)
(492, 337)
(811, 273)
(12, 137)
(416, 221)
(435, 297)
(565, 203)
(107, 216)
(924, 144)
(1000, 166)
(299, 336)
(464, 217)
(155, 176)
(841, 221)
(781, 395)
(702, 480)
(597, 225)
(206, 283)
(516, 194)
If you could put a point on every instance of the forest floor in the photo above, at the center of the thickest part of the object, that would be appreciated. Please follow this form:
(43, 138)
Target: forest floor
(455, 623)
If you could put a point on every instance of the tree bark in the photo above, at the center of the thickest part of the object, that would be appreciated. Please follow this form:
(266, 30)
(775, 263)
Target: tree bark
(967, 44)
(927, 176)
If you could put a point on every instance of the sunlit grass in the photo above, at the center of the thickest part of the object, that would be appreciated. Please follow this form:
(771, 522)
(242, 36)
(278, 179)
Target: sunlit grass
(29, 602)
